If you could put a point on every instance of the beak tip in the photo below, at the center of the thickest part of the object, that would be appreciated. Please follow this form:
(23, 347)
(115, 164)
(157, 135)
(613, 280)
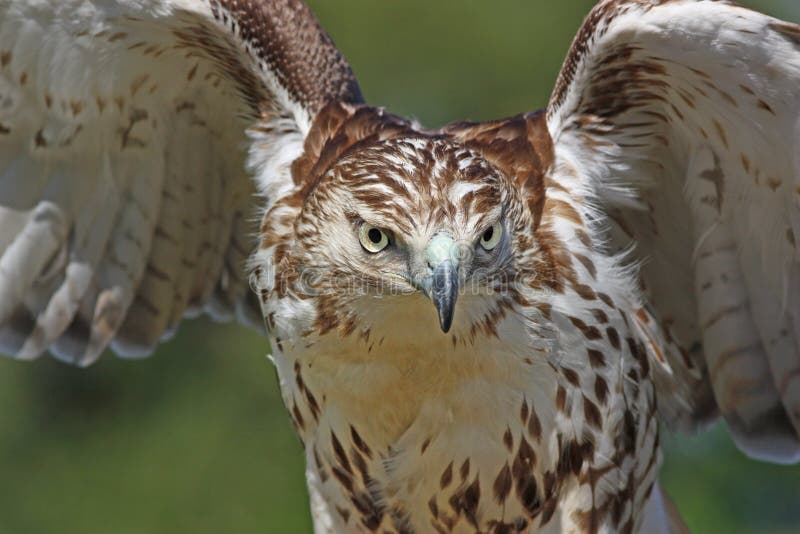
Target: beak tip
(445, 323)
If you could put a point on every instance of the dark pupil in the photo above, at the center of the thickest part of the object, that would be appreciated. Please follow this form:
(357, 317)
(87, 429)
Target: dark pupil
(487, 235)
(375, 235)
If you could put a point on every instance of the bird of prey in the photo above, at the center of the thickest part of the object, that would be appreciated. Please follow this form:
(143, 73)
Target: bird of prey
(475, 328)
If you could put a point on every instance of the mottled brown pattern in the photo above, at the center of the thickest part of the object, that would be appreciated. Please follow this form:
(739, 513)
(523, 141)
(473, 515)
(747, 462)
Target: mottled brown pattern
(594, 27)
(337, 129)
(520, 146)
(288, 38)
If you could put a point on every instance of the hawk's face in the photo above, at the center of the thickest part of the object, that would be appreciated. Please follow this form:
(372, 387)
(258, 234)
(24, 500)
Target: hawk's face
(421, 224)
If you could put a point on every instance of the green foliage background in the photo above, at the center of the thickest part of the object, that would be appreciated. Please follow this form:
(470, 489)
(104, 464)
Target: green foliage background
(195, 439)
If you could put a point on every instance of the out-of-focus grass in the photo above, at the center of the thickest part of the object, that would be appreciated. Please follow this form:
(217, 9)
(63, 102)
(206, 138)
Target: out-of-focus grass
(717, 489)
(196, 438)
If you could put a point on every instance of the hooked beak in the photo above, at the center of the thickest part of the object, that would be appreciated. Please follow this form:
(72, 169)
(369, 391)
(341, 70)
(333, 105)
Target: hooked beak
(442, 260)
(444, 292)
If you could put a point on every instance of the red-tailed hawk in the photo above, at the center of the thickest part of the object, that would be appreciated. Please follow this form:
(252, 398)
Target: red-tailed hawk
(476, 328)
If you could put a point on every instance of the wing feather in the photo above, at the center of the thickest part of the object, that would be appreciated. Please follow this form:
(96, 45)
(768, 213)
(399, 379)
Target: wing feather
(683, 116)
(125, 200)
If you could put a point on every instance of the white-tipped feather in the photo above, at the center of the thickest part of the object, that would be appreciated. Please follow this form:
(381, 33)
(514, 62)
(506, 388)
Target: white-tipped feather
(23, 261)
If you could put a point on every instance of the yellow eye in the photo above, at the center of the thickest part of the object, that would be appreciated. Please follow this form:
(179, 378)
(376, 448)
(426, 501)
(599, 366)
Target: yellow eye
(491, 237)
(373, 239)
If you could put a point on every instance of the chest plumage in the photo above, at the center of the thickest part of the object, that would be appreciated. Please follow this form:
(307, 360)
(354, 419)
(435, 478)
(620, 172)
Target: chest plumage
(492, 435)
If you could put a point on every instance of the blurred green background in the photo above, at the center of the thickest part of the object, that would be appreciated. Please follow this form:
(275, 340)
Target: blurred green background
(195, 439)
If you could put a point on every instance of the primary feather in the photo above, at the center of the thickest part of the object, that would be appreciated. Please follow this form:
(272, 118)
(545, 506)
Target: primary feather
(123, 156)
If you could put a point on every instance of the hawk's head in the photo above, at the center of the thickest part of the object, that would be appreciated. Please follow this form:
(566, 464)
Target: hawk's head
(396, 225)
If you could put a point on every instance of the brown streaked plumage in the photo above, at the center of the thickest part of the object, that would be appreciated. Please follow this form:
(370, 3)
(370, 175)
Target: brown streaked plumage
(464, 338)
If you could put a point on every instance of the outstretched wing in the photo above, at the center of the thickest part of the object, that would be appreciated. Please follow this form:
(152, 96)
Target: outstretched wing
(683, 118)
(124, 135)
